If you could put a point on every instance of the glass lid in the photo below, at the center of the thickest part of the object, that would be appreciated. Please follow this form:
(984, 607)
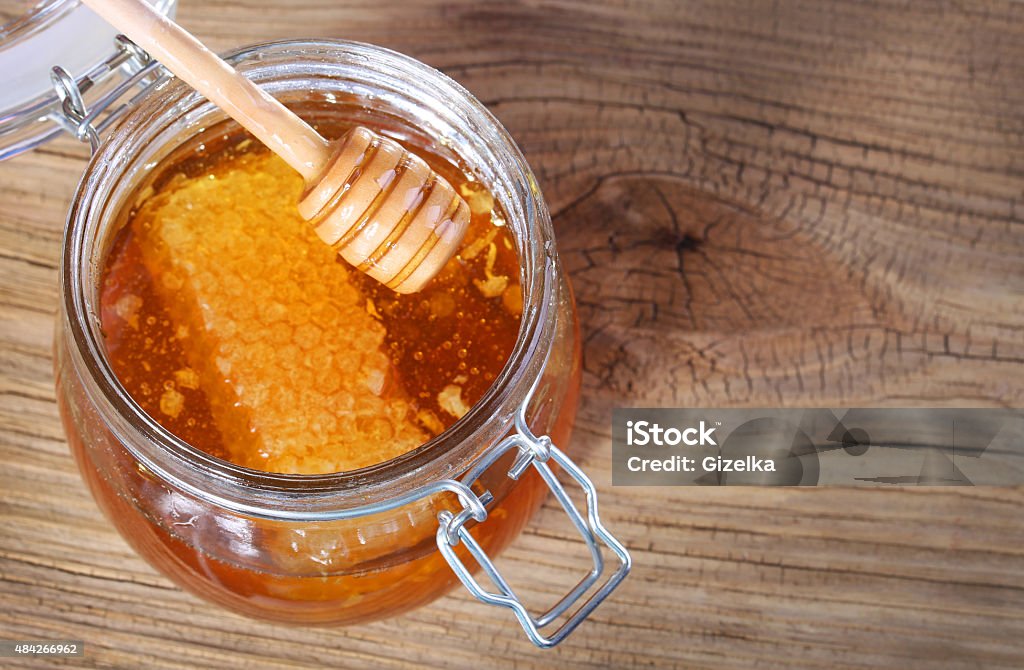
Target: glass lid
(17, 16)
(35, 36)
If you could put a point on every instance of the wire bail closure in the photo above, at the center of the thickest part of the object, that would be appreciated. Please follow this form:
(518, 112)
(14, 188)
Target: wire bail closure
(538, 452)
(73, 115)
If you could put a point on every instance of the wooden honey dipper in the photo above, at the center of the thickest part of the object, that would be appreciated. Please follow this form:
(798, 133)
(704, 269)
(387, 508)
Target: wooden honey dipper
(383, 208)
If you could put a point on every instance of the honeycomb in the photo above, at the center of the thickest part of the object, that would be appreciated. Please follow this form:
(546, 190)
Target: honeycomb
(294, 365)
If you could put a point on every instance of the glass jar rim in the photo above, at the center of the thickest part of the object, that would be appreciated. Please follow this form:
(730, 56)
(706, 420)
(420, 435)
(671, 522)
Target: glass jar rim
(336, 495)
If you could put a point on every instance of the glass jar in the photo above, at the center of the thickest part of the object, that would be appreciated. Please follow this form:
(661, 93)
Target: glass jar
(353, 546)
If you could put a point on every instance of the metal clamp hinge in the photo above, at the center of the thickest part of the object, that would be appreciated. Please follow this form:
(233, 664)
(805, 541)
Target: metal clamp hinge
(538, 452)
(73, 115)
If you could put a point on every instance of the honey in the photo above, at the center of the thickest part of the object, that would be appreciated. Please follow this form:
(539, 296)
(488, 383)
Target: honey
(231, 324)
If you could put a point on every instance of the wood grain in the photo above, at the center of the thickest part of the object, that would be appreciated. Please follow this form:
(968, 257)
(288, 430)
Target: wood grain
(771, 203)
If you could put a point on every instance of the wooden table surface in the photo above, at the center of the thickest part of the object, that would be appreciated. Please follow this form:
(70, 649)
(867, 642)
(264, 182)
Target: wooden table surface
(772, 203)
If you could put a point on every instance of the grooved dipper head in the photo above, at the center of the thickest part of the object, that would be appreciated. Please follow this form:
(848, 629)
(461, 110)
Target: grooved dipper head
(385, 211)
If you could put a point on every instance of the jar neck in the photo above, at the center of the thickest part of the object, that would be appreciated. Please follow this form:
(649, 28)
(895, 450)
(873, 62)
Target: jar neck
(167, 116)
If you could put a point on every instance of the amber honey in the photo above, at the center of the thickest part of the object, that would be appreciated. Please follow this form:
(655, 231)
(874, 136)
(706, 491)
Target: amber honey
(237, 329)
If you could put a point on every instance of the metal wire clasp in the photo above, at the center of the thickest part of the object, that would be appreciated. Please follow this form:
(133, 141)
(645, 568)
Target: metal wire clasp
(73, 114)
(538, 452)
(73, 107)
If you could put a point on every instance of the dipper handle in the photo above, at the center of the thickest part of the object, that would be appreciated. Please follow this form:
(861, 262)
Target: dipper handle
(257, 111)
(382, 208)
